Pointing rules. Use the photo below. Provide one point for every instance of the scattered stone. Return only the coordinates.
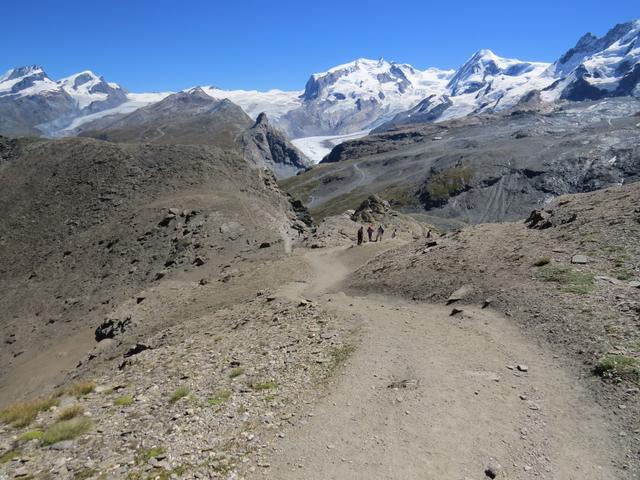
(522, 368)
(64, 445)
(111, 328)
(634, 283)
(493, 470)
(265, 244)
(199, 261)
(487, 302)
(460, 294)
(455, 311)
(580, 259)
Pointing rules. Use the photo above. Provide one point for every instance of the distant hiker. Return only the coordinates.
(370, 232)
(379, 234)
(360, 235)
(395, 232)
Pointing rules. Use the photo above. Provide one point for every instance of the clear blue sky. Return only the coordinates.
(170, 45)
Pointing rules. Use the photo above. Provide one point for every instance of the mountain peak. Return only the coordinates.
(19, 72)
(262, 119)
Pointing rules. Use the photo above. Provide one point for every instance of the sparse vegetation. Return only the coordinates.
(31, 435)
(221, 397)
(618, 366)
(78, 389)
(10, 455)
(448, 182)
(236, 372)
(339, 356)
(260, 386)
(70, 412)
(84, 474)
(66, 430)
(572, 280)
(178, 394)
(23, 413)
(123, 401)
(541, 262)
(143, 456)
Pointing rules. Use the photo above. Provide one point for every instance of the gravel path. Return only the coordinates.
(427, 395)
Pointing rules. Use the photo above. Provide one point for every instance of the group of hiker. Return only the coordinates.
(370, 230)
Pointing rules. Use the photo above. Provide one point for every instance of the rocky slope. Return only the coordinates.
(190, 117)
(88, 224)
(267, 147)
(479, 169)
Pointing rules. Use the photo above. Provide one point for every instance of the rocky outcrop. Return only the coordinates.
(264, 146)
(373, 209)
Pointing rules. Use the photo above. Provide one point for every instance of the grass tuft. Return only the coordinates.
(23, 413)
(10, 455)
(143, 456)
(541, 262)
(261, 386)
(618, 366)
(123, 401)
(66, 430)
(572, 280)
(236, 372)
(29, 436)
(339, 356)
(178, 394)
(70, 412)
(220, 398)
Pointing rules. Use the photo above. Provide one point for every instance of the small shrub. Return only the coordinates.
(271, 385)
(123, 401)
(70, 412)
(541, 262)
(22, 414)
(28, 436)
(618, 366)
(178, 394)
(220, 398)
(66, 430)
(236, 372)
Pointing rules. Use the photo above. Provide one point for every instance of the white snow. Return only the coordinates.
(316, 148)
(82, 93)
(134, 102)
(275, 103)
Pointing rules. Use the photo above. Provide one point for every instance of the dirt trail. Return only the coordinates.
(426, 395)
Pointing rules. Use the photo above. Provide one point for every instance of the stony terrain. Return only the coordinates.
(204, 328)
(483, 168)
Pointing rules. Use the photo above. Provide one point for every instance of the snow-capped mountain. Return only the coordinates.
(31, 103)
(347, 99)
(360, 95)
(599, 67)
(91, 92)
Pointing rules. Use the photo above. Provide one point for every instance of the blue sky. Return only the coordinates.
(168, 45)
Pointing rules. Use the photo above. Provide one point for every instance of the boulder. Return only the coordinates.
(580, 259)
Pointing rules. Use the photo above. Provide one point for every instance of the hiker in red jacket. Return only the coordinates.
(370, 232)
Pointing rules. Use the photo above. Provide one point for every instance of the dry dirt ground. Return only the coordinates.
(344, 362)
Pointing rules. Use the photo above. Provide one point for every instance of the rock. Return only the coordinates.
(199, 261)
(634, 283)
(112, 327)
(21, 472)
(265, 244)
(493, 470)
(580, 259)
(460, 294)
(539, 219)
(64, 445)
(611, 280)
(487, 302)
(522, 368)
(455, 311)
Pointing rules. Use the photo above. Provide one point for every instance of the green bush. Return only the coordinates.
(572, 280)
(618, 366)
(123, 401)
(220, 398)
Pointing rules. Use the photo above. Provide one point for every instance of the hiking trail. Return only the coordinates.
(427, 395)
